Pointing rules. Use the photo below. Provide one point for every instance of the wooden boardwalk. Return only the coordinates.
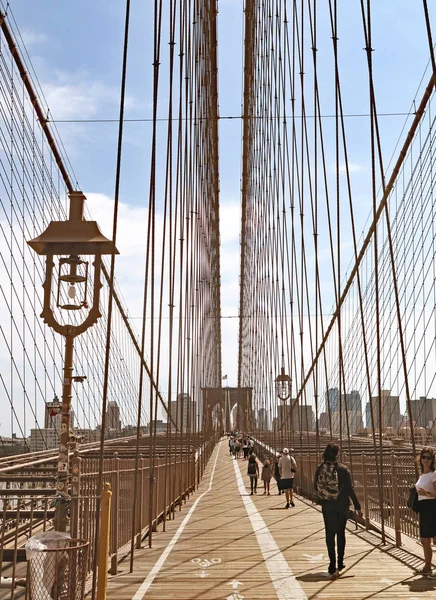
(228, 545)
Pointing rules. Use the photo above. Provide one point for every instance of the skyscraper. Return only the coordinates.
(390, 409)
(332, 399)
(183, 412)
(113, 420)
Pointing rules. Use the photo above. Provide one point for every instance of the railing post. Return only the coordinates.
(103, 545)
(365, 492)
(395, 500)
(156, 496)
(75, 493)
(140, 504)
(116, 508)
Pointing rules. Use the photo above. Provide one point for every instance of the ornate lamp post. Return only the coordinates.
(70, 239)
(283, 389)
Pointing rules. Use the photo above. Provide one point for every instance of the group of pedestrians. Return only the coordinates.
(334, 488)
(333, 485)
(284, 473)
(239, 443)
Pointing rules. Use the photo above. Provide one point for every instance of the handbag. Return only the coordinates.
(412, 500)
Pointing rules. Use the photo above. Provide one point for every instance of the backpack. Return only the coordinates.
(252, 468)
(328, 482)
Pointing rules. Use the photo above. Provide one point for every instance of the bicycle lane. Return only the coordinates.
(222, 550)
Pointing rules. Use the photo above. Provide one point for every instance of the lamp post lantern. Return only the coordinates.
(70, 239)
(284, 389)
(283, 385)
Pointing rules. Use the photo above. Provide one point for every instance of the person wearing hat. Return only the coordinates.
(287, 469)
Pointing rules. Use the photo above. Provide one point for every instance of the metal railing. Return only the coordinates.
(26, 510)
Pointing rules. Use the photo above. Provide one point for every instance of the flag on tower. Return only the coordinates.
(224, 376)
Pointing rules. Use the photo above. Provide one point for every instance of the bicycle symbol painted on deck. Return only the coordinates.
(205, 563)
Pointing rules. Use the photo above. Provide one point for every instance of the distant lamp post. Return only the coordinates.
(70, 239)
(283, 385)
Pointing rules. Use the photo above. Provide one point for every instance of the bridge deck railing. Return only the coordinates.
(26, 510)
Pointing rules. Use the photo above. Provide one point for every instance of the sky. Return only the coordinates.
(76, 51)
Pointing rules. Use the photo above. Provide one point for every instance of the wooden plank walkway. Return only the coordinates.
(228, 545)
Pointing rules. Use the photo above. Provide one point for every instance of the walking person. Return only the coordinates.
(277, 471)
(237, 448)
(287, 469)
(335, 489)
(245, 448)
(426, 488)
(266, 476)
(253, 472)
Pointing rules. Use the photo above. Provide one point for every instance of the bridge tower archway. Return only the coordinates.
(218, 404)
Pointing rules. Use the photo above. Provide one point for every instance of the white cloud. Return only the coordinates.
(31, 38)
(352, 168)
(79, 96)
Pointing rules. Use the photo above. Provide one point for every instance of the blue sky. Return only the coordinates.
(76, 50)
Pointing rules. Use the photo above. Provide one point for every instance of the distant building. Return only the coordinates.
(324, 421)
(130, 430)
(353, 401)
(184, 413)
(53, 415)
(86, 435)
(352, 413)
(332, 399)
(43, 439)
(13, 445)
(161, 426)
(390, 409)
(263, 419)
(52, 411)
(297, 417)
(113, 420)
(423, 411)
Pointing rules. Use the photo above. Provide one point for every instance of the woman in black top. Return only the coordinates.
(335, 489)
(253, 472)
(277, 475)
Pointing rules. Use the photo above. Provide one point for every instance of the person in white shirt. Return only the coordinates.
(287, 469)
(426, 488)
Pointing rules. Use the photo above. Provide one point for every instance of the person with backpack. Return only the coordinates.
(335, 489)
(287, 468)
(253, 472)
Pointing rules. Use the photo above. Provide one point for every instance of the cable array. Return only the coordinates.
(356, 336)
(34, 192)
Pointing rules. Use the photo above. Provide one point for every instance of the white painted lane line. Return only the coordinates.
(145, 585)
(286, 585)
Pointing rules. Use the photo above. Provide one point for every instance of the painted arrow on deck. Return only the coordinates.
(316, 558)
(235, 584)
